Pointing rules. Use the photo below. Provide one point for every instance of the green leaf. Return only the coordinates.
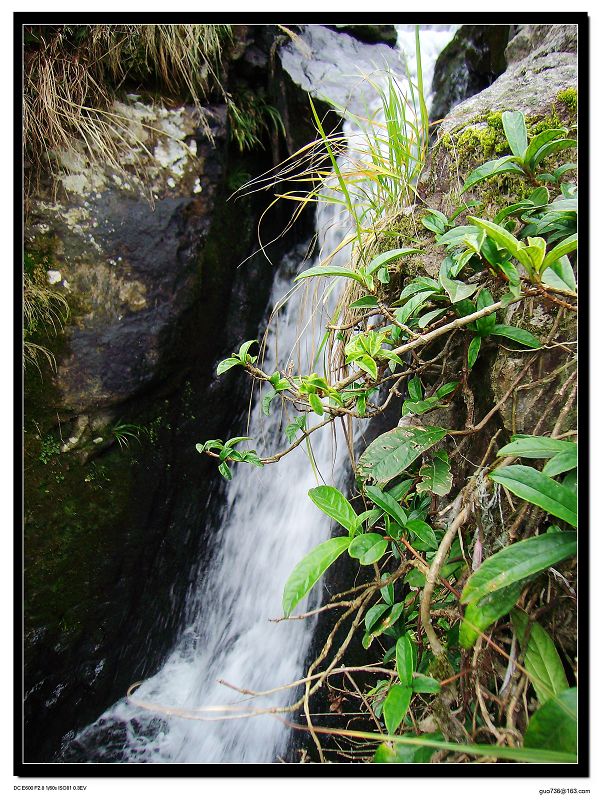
(402, 754)
(541, 660)
(405, 659)
(368, 301)
(363, 543)
(333, 503)
(266, 402)
(480, 614)
(374, 614)
(225, 471)
(243, 352)
(316, 403)
(390, 255)
(517, 562)
(553, 147)
(544, 492)
(560, 275)
(424, 536)
(228, 363)
(391, 453)
(395, 706)
(412, 306)
(539, 140)
(298, 424)
(562, 462)
(427, 318)
(310, 569)
(387, 503)
(435, 221)
(536, 447)
(555, 721)
(387, 592)
(489, 169)
(414, 387)
(514, 126)
(516, 334)
(457, 290)
(436, 476)
(374, 553)
(329, 272)
(389, 620)
(368, 364)
(422, 684)
(501, 236)
(473, 350)
(563, 248)
(400, 491)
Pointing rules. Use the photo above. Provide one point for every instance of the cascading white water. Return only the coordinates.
(268, 526)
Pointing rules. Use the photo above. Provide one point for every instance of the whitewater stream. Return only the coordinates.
(268, 523)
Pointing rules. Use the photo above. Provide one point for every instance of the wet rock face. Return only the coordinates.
(471, 62)
(126, 261)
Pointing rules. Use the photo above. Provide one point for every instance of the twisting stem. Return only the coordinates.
(432, 577)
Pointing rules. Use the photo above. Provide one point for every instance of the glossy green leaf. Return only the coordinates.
(228, 363)
(480, 614)
(500, 235)
(316, 403)
(517, 562)
(514, 126)
(557, 722)
(516, 334)
(562, 462)
(405, 659)
(374, 614)
(536, 447)
(541, 659)
(541, 490)
(368, 301)
(412, 306)
(553, 147)
(400, 491)
(368, 364)
(395, 706)
(473, 350)
(391, 453)
(423, 684)
(566, 246)
(387, 503)
(310, 569)
(363, 543)
(225, 471)
(243, 352)
(387, 592)
(497, 167)
(560, 275)
(333, 503)
(374, 554)
(423, 536)
(541, 139)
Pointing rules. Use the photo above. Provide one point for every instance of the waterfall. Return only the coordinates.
(269, 523)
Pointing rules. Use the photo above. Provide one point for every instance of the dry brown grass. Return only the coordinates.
(72, 73)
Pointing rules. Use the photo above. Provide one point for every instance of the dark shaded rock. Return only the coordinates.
(370, 34)
(471, 62)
